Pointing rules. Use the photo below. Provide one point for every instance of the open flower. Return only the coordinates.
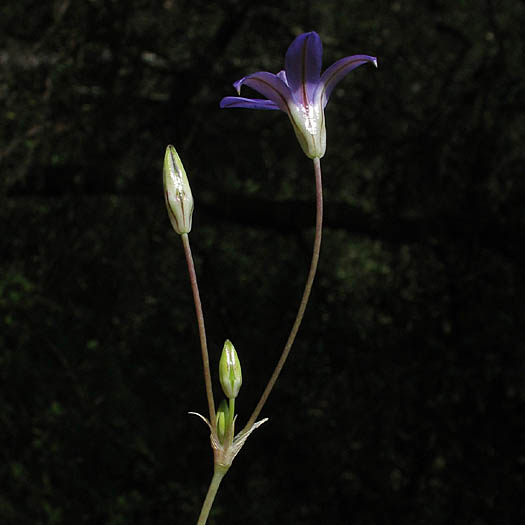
(300, 90)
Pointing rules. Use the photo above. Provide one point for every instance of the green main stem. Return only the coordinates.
(304, 300)
(218, 474)
(202, 330)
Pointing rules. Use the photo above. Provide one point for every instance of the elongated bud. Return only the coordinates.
(177, 192)
(230, 371)
(223, 419)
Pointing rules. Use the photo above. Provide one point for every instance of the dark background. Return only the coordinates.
(403, 400)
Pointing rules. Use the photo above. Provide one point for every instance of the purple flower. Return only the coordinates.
(300, 90)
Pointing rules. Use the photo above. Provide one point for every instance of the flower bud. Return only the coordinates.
(230, 371)
(177, 192)
(223, 419)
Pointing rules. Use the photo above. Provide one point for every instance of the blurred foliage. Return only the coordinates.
(403, 399)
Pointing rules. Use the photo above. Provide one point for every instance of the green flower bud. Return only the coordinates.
(230, 371)
(177, 192)
(223, 418)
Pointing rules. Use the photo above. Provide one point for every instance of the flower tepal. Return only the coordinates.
(299, 90)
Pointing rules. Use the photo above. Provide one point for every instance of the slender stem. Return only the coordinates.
(202, 330)
(232, 410)
(230, 429)
(304, 300)
(218, 474)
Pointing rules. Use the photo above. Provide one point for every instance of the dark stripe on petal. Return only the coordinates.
(303, 66)
(336, 72)
(250, 103)
(272, 87)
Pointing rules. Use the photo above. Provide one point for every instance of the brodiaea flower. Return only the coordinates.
(300, 90)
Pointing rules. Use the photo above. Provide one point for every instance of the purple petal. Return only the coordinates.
(269, 85)
(337, 71)
(251, 103)
(303, 66)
